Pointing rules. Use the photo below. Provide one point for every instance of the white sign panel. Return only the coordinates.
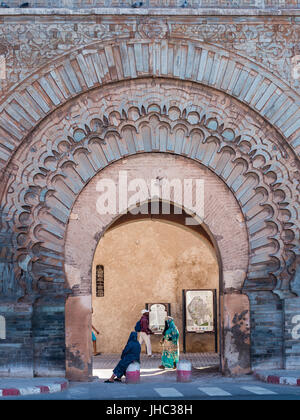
(157, 315)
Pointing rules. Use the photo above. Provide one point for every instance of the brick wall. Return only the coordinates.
(266, 330)
(16, 351)
(292, 333)
(48, 329)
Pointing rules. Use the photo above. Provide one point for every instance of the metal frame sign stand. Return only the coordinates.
(203, 306)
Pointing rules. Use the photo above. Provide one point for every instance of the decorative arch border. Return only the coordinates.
(252, 160)
(123, 59)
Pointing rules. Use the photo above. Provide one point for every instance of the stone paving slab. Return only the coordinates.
(159, 376)
(202, 363)
(102, 368)
(210, 381)
(280, 376)
(198, 360)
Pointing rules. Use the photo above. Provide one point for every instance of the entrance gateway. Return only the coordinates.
(87, 226)
(138, 107)
(144, 261)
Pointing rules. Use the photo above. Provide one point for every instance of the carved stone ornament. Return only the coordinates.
(153, 29)
(201, 124)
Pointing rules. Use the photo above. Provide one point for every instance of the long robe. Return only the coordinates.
(170, 354)
(131, 353)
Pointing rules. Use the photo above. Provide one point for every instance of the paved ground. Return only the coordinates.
(209, 385)
(109, 361)
(157, 385)
(103, 366)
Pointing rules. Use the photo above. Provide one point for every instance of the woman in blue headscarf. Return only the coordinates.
(170, 342)
(131, 353)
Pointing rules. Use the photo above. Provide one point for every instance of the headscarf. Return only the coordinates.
(172, 333)
(132, 337)
(132, 349)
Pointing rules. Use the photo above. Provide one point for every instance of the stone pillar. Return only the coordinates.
(266, 330)
(48, 330)
(292, 333)
(78, 338)
(235, 334)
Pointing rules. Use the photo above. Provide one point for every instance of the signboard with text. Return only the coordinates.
(199, 311)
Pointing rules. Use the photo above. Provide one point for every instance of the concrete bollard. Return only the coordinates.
(133, 373)
(184, 371)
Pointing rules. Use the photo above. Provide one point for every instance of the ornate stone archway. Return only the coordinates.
(152, 116)
(252, 148)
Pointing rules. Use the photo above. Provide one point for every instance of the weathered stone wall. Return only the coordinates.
(16, 350)
(291, 333)
(236, 332)
(32, 41)
(66, 68)
(266, 330)
(236, 4)
(48, 330)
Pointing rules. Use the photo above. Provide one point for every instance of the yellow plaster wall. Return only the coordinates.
(150, 261)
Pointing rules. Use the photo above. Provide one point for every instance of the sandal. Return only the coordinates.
(118, 380)
(109, 382)
(161, 367)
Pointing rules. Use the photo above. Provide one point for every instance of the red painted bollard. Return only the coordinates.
(133, 373)
(184, 371)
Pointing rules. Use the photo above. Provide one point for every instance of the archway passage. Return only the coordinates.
(149, 259)
(87, 226)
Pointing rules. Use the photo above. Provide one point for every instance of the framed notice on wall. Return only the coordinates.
(157, 315)
(199, 311)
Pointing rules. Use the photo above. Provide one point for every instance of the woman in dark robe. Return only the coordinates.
(131, 353)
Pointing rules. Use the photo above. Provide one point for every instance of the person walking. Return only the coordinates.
(145, 332)
(94, 340)
(170, 343)
(131, 353)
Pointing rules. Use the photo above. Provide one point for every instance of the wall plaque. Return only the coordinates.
(157, 315)
(99, 281)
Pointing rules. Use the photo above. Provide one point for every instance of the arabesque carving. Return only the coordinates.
(29, 46)
(207, 126)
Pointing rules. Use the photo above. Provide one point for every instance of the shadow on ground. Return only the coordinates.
(203, 365)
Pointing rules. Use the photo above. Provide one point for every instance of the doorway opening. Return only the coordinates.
(144, 259)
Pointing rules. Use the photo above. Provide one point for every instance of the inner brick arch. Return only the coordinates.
(86, 227)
